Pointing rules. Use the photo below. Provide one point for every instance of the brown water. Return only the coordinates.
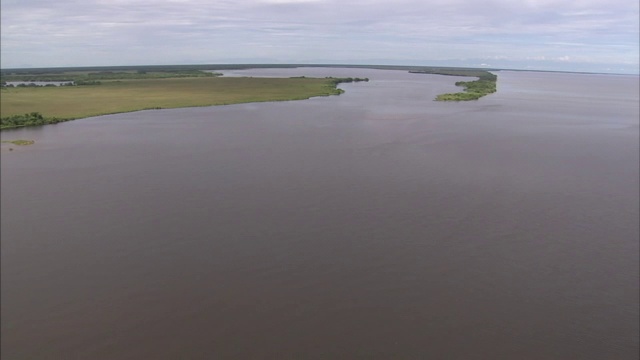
(376, 225)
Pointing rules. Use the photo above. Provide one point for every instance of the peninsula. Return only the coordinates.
(473, 90)
(83, 94)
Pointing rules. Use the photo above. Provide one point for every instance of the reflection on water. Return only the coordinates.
(376, 224)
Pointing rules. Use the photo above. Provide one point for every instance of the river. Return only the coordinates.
(378, 224)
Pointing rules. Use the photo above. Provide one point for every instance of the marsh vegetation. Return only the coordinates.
(473, 90)
(29, 106)
(19, 142)
(100, 91)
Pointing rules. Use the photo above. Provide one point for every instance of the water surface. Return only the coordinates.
(376, 224)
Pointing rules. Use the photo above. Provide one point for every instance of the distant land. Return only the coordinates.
(35, 70)
(101, 90)
(224, 67)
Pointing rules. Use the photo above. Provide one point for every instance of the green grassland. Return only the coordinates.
(25, 106)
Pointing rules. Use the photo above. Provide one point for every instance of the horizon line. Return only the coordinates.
(249, 65)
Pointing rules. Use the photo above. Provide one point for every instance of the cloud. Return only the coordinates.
(119, 32)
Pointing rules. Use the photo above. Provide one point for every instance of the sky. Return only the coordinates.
(562, 35)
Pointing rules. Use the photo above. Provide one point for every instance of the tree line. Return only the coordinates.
(30, 119)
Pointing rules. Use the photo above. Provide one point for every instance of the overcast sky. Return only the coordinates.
(579, 35)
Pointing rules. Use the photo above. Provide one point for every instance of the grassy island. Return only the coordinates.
(118, 92)
(473, 90)
(19, 142)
